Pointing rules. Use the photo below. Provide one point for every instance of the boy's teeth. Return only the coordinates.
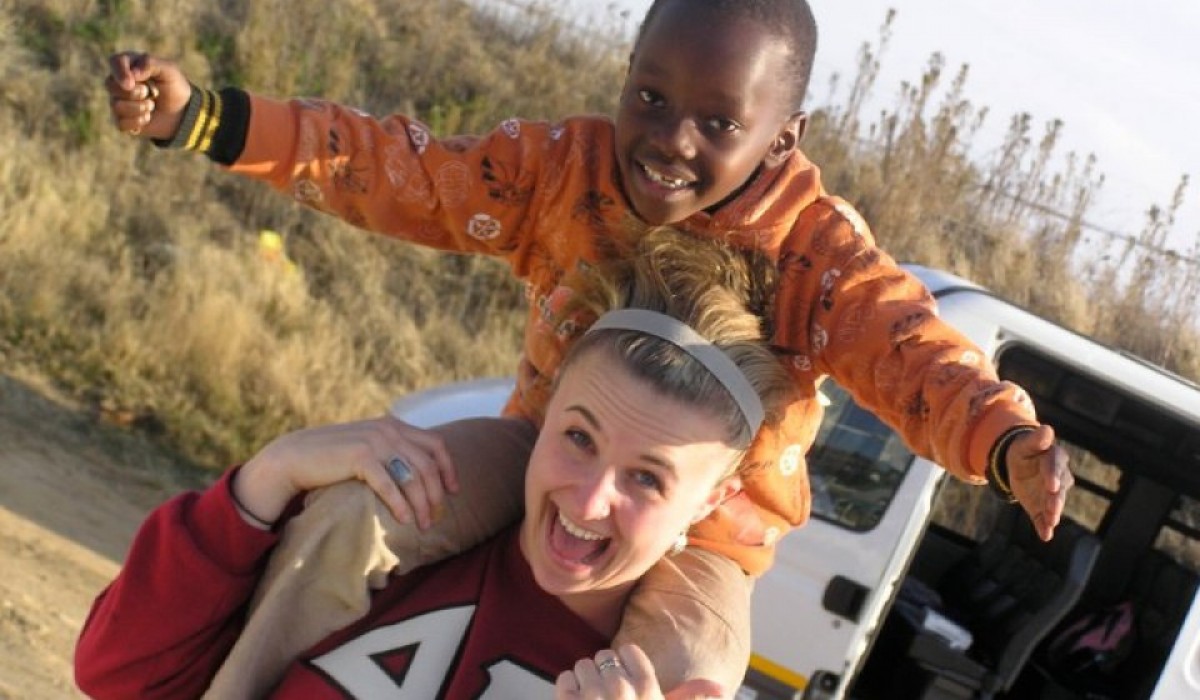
(577, 531)
(664, 180)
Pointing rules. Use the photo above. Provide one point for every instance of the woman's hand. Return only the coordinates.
(625, 674)
(309, 459)
(146, 95)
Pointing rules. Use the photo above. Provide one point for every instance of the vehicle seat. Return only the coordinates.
(1163, 592)
(1009, 593)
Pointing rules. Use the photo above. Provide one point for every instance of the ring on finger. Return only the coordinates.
(608, 664)
(399, 470)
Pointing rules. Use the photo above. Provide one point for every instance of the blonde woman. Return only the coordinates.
(652, 414)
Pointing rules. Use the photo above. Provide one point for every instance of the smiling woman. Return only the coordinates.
(653, 411)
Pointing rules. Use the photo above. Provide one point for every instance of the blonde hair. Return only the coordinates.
(721, 293)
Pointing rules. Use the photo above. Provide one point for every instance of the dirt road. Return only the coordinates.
(72, 493)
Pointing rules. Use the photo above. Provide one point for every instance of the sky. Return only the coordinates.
(1120, 74)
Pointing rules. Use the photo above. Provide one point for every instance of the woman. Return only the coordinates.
(653, 410)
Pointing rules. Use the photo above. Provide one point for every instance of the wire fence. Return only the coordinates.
(1113, 235)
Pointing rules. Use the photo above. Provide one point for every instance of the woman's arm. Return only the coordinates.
(167, 621)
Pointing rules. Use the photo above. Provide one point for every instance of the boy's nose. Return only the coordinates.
(676, 138)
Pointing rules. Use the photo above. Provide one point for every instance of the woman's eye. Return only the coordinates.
(579, 438)
(647, 479)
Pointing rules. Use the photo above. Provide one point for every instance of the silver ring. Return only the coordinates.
(608, 664)
(399, 470)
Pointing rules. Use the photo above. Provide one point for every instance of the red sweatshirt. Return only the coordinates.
(473, 626)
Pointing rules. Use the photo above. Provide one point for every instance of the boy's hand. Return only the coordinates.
(625, 674)
(1040, 478)
(317, 457)
(146, 95)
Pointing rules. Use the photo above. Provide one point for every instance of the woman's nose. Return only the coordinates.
(595, 496)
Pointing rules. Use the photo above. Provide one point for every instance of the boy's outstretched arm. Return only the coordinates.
(846, 309)
(1038, 477)
(147, 96)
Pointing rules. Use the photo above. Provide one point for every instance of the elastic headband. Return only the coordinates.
(687, 339)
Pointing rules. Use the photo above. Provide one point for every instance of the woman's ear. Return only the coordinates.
(787, 140)
(724, 491)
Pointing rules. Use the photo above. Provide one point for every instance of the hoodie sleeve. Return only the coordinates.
(163, 626)
(846, 309)
(389, 175)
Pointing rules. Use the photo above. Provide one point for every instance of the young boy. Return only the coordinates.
(706, 138)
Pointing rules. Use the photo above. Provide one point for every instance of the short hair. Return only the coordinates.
(790, 20)
(722, 293)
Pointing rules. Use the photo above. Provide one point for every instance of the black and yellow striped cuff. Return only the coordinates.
(997, 471)
(214, 123)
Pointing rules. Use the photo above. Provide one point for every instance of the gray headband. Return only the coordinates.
(687, 339)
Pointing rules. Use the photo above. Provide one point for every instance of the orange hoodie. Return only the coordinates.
(544, 197)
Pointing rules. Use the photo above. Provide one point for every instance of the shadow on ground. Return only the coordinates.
(64, 470)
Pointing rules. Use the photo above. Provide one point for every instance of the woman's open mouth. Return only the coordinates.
(575, 544)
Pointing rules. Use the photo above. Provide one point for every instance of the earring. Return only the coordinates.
(679, 544)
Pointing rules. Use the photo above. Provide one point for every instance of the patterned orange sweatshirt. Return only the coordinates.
(543, 197)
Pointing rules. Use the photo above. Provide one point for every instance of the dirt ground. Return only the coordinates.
(72, 492)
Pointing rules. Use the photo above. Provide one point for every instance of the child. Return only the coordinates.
(706, 138)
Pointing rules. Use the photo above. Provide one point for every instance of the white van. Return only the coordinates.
(878, 598)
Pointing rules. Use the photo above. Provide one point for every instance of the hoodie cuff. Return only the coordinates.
(214, 123)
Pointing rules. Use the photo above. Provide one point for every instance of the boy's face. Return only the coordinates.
(704, 105)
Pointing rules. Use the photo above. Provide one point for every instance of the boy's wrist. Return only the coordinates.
(997, 470)
(192, 112)
(213, 123)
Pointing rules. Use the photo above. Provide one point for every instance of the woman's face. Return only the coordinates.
(618, 472)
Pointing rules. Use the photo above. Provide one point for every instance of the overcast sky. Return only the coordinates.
(1121, 75)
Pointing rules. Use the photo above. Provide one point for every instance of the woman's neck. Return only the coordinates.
(601, 609)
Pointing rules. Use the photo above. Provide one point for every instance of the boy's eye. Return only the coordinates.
(723, 125)
(650, 97)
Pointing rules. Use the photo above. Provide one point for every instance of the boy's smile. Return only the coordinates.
(702, 109)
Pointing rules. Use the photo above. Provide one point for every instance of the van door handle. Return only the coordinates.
(845, 597)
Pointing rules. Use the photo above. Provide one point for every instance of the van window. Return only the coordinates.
(1180, 537)
(856, 464)
(1096, 484)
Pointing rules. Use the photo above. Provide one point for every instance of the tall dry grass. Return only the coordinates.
(135, 280)
(1017, 222)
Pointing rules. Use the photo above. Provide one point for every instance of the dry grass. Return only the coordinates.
(134, 279)
(1015, 224)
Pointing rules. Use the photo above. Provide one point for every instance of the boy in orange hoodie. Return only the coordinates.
(706, 139)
